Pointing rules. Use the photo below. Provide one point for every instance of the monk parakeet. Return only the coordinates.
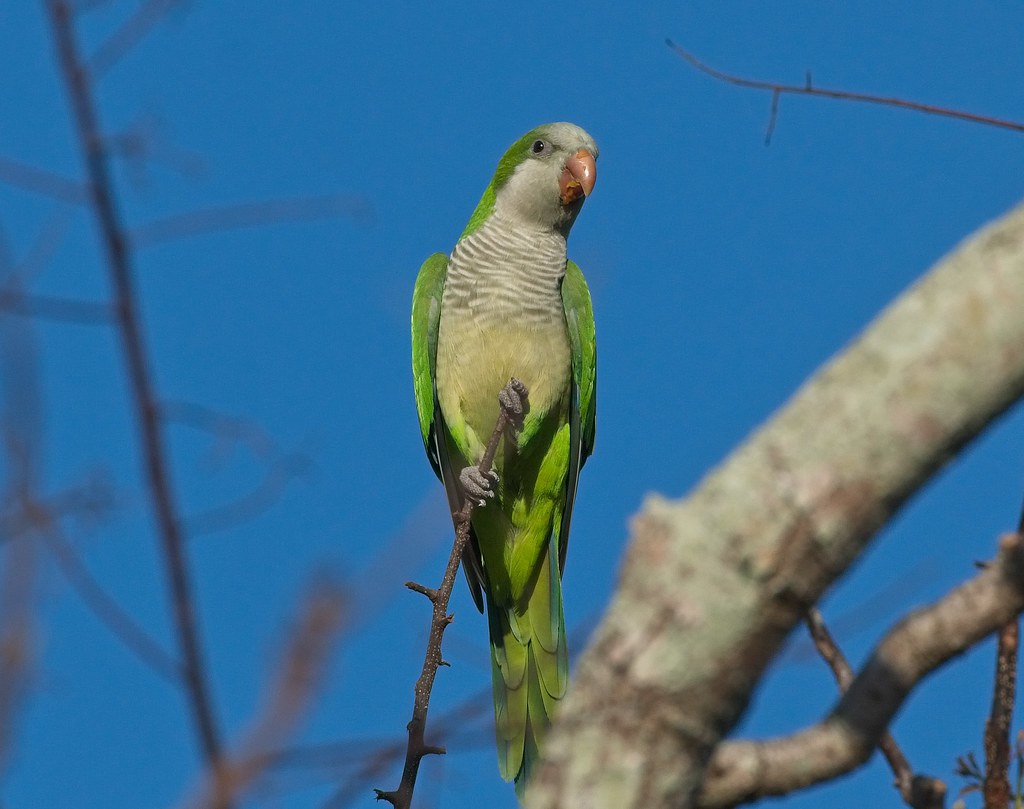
(508, 305)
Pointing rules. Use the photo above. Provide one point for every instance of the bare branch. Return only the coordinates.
(743, 771)
(282, 466)
(996, 785)
(297, 679)
(42, 181)
(919, 792)
(250, 214)
(100, 603)
(776, 89)
(119, 265)
(49, 307)
(417, 748)
(131, 32)
(16, 588)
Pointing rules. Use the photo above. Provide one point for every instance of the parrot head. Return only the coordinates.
(544, 177)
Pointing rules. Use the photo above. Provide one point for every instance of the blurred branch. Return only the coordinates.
(778, 89)
(42, 181)
(131, 32)
(297, 679)
(918, 792)
(145, 142)
(100, 603)
(417, 748)
(118, 255)
(743, 771)
(48, 307)
(16, 586)
(250, 214)
(281, 466)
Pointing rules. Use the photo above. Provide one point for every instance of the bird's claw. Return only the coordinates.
(514, 402)
(478, 486)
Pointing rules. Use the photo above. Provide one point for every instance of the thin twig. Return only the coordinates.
(401, 798)
(49, 307)
(917, 791)
(119, 265)
(131, 32)
(807, 89)
(42, 181)
(743, 771)
(114, 617)
(996, 783)
(250, 214)
(297, 678)
(282, 466)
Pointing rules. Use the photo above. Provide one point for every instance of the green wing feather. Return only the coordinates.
(426, 315)
(579, 322)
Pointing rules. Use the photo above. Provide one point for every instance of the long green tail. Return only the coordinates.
(530, 669)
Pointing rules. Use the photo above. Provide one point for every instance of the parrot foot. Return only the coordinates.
(478, 486)
(513, 401)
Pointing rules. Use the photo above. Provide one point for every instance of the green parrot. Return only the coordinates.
(507, 305)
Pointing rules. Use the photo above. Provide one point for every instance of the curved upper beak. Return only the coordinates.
(579, 176)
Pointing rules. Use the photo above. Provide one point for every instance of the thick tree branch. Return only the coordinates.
(712, 585)
(118, 256)
(745, 771)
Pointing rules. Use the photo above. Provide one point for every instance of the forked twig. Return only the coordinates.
(417, 748)
(917, 791)
(777, 89)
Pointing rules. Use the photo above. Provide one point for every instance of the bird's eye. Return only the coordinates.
(538, 146)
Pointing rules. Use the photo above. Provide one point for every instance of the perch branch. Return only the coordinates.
(417, 748)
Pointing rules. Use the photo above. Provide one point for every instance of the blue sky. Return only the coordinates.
(723, 273)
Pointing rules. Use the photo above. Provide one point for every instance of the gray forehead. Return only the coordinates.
(569, 136)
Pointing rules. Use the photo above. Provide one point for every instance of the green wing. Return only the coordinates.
(579, 322)
(426, 314)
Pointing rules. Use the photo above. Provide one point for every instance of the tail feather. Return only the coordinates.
(530, 671)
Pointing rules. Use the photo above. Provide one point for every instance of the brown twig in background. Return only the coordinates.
(777, 89)
(296, 681)
(118, 257)
(996, 783)
(250, 214)
(417, 748)
(282, 466)
(131, 32)
(49, 307)
(919, 792)
(119, 622)
(42, 181)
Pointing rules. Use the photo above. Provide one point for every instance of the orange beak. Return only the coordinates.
(578, 178)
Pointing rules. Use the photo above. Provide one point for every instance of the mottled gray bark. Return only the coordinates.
(712, 584)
